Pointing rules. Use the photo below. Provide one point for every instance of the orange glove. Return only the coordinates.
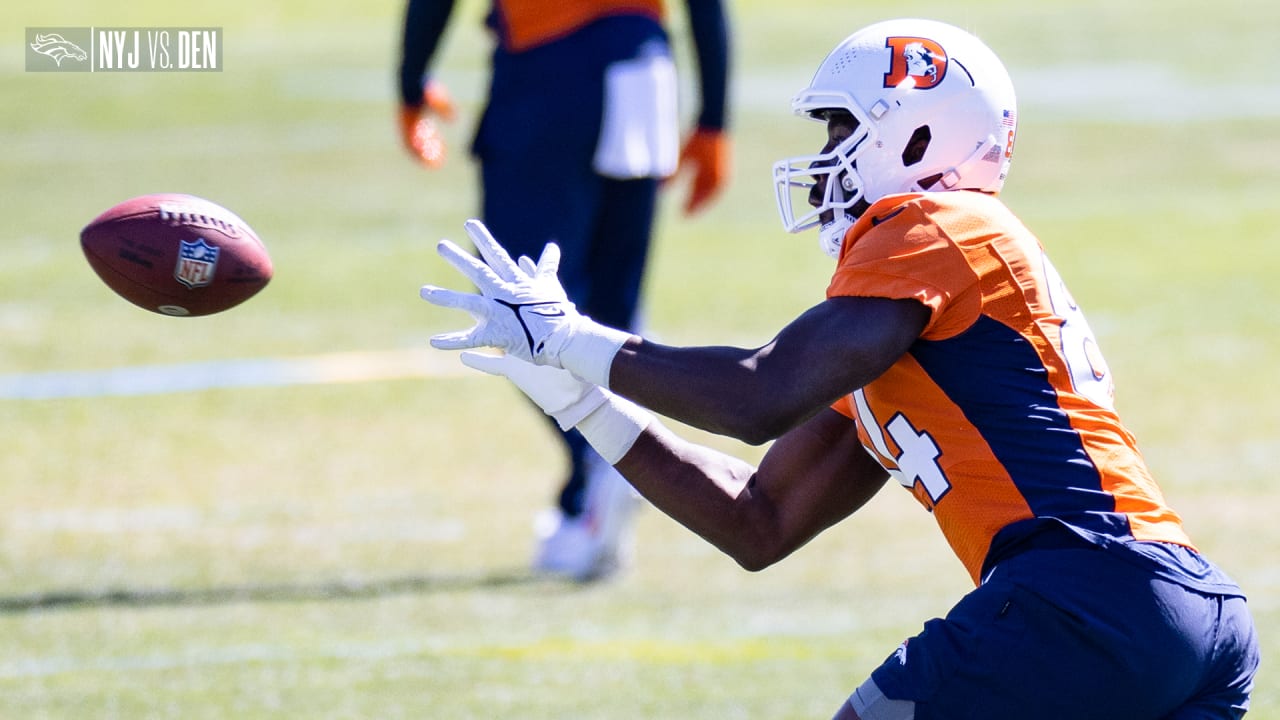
(421, 136)
(706, 155)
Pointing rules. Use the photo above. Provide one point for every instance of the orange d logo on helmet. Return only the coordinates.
(918, 58)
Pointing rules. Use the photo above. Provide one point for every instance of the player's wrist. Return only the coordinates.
(572, 414)
(589, 350)
(614, 426)
(556, 391)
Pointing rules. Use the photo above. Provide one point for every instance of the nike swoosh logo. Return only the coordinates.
(546, 312)
(885, 218)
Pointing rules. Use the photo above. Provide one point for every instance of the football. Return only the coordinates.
(176, 255)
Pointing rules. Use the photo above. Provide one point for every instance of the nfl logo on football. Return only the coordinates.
(196, 263)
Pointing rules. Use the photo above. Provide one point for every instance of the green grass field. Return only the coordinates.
(358, 550)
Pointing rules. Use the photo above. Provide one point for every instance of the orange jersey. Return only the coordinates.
(528, 23)
(1001, 412)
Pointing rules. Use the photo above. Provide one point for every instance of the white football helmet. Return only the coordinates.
(908, 83)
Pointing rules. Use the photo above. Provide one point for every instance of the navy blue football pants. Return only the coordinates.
(536, 142)
(602, 227)
(1068, 634)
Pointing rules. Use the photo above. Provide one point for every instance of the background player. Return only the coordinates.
(947, 355)
(580, 129)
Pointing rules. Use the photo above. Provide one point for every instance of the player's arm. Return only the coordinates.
(758, 394)
(814, 475)
(424, 24)
(811, 478)
(709, 27)
(705, 153)
(754, 395)
(423, 99)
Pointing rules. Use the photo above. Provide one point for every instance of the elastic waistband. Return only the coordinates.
(1050, 536)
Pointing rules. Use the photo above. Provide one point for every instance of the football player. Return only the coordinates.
(947, 356)
(580, 130)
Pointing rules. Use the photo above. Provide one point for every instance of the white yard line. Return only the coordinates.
(348, 367)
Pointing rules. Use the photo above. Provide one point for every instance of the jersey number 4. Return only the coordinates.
(917, 459)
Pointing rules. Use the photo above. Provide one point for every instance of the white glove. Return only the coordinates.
(610, 423)
(523, 310)
(561, 395)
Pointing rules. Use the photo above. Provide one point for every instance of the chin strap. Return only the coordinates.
(831, 234)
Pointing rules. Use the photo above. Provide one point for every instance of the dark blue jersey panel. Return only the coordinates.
(993, 374)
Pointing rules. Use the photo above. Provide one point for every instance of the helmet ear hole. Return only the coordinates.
(916, 146)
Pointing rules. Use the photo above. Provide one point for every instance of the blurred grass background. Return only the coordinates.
(359, 550)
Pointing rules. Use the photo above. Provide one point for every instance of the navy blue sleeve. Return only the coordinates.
(424, 23)
(710, 30)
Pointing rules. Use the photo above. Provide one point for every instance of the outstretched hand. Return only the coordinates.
(521, 309)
